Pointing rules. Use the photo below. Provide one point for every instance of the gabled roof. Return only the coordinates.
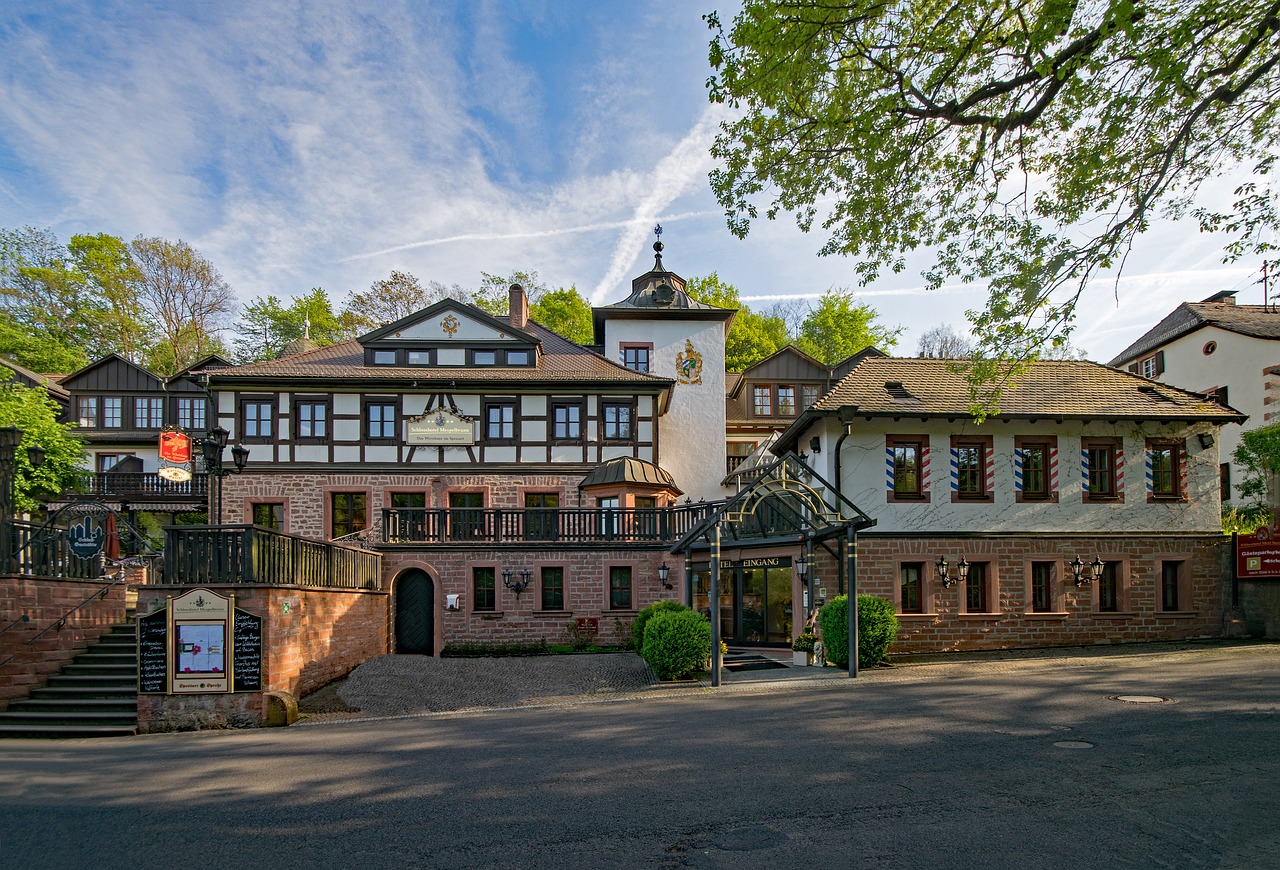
(1053, 389)
(1256, 321)
(33, 379)
(561, 360)
(141, 375)
(466, 309)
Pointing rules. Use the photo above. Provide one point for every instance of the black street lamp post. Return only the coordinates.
(213, 447)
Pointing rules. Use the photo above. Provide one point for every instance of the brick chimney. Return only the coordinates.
(519, 310)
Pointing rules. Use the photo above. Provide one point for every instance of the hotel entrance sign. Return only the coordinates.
(440, 428)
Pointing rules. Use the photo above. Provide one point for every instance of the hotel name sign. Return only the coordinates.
(759, 562)
(440, 428)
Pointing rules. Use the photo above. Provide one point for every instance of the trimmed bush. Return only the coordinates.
(877, 627)
(677, 643)
(490, 649)
(637, 627)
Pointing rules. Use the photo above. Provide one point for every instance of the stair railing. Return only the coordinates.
(21, 619)
(123, 565)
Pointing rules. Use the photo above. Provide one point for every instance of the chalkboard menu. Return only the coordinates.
(153, 653)
(247, 646)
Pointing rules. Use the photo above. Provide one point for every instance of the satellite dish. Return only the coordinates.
(664, 294)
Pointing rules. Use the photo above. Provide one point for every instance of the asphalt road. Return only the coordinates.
(947, 767)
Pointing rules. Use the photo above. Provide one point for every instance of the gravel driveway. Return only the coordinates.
(394, 684)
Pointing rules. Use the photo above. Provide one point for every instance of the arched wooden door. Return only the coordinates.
(415, 613)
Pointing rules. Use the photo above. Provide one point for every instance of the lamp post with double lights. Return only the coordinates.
(212, 447)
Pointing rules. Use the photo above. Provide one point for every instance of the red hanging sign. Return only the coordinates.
(175, 446)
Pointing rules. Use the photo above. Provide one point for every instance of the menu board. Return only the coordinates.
(153, 650)
(247, 651)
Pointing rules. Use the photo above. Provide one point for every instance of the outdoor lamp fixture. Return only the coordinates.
(516, 586)
(1093, 575)
(1206, 440)
(664, 571)
(802, 568)
(35, 455)
(944, 573)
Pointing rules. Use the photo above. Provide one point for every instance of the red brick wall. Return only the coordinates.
(324, 636)
(45, 600)
(586, 591)
(945, 627)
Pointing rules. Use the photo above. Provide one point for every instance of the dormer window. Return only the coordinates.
(484, 357)
(421, 358)
(384, 357)
(517, 357)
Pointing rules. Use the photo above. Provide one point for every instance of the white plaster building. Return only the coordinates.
(1222, 350)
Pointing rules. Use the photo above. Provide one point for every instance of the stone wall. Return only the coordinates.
(310, 637)
(946, 626)
(44, 601)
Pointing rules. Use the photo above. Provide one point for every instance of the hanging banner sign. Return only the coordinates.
(86, 538)
(175, 446)
(175, 455)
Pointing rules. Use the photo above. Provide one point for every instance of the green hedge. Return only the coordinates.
(637, 627)
(489, 649)
(877, 627)
(677, 643)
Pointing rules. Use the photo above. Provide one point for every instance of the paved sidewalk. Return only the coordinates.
(398, 685)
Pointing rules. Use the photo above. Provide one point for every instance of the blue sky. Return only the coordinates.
(325, 144)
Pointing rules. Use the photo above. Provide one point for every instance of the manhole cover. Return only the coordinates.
(1139, 699)
(1073, 744)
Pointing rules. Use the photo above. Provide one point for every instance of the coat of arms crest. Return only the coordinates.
(688, 365)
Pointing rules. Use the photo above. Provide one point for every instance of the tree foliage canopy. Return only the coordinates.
(32, 411)
(840, 326)
(753, 336)
(1027, 143)
(566, 312)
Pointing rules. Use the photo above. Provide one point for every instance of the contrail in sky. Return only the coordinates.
(531, 234)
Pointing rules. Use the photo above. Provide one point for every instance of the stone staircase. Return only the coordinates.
(96, 695)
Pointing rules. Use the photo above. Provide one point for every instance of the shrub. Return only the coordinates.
(581, 633)
(877, 627)
(804, 641)
(677, 643)
(622, 631)
(637, 627)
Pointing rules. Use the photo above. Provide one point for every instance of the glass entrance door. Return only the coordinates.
(755, 603)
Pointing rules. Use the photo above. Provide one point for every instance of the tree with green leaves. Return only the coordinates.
(752, 336)
(32, 411)
(494, 293)
(1258, 455)
(564, 311)
(47, 320)
(105, 270)
(839, 326)
(1025, 144)
(267, 326)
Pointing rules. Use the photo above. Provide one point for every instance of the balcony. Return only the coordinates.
(256, 555)
(558, 526)
(143, 487)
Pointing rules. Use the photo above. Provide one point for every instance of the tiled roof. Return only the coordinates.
(1051, 388)
(561, 360)
(1258, 321)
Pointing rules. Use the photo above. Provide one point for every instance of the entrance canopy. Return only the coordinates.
(788, 502)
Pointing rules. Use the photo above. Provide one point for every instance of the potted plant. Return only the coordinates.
(802, 648)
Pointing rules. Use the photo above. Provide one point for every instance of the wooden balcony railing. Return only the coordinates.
(142, 486)
(258, 555)
(538, 525)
